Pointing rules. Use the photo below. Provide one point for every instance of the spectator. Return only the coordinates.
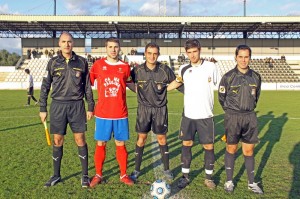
(132, 52)
(28, 53)
(46, 53)
(29, 83)
(34, 53)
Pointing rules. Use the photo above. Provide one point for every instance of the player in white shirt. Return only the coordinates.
(29, 86)
(199, 77)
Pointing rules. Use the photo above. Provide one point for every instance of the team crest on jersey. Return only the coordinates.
(190, 71)
(253, 91)
(120, 70)
(104, 68)
(159, 86)
(209, 79)
(111, 87)
(222, 89)
(77, 74)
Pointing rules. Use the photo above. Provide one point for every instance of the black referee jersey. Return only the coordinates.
(152, 84)
(239, 92)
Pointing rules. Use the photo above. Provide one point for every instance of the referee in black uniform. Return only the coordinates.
(239, 92)
(68, 75)
(151, 79)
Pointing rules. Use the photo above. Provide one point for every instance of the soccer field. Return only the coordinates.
(26, 162)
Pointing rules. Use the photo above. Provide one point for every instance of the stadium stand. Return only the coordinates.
(279, 72)
(36, 66)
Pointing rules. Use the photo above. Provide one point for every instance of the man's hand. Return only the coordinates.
(43, 116)
(89, 115)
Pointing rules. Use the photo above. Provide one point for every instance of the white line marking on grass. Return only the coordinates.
(158, 169)
(21, 116)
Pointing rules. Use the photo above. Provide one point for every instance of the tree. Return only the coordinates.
(8, 59)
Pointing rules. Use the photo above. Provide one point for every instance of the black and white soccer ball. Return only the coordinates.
(160, 189)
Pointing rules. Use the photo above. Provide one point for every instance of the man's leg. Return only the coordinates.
(248, 150)
(99, 158)
(229, 166)
(28, 99)
(164, 151)
(209, 161)
(83, 156)
(122, 155)
(139, 150)
(82, 151)
(186, 159)
(57, 155)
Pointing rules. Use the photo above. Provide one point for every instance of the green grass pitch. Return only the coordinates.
(26, 162)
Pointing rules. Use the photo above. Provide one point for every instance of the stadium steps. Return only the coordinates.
(281, 72)
(3, 76)
(36, 66)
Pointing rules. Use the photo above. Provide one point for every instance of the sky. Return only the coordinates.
(145, 8)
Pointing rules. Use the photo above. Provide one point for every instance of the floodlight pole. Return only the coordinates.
(118, 7)
(244, 8)
(179, 7)
(54, 7)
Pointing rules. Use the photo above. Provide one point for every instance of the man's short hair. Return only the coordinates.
(192, 43)
(112, 39)
(243, 47)
(152, 45)
(27, 71)
(65, 33)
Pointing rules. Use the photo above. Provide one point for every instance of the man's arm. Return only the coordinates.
(131, 86)
(88, 92)
(173, 85)
(45, 88)
(222, 91)
(258, 88)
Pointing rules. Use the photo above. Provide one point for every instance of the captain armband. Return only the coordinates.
(179, 79)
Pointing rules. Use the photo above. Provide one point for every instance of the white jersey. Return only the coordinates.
(29, 81)
(199, 82)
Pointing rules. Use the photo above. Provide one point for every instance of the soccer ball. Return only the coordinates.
(160, 189)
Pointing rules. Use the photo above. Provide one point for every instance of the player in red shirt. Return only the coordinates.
(111, 75)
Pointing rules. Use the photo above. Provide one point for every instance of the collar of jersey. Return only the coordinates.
(202, 61)
(155, 69)
(249, 72)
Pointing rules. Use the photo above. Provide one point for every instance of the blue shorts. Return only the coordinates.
(105, 127)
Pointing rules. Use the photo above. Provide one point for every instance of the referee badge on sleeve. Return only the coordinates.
(222, 89)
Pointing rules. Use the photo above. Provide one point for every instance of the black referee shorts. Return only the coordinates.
(241, 126)
(204, 128)
(152, 118)
(63, 113)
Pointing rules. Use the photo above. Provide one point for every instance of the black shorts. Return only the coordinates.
(204, 127)
(241, 126)
(30, 91)
(70, 112)
(152, 118)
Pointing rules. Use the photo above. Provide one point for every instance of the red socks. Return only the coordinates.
(121, 155)
(99, 157)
